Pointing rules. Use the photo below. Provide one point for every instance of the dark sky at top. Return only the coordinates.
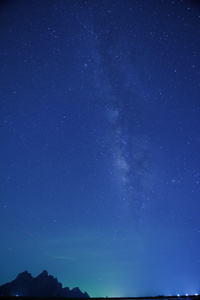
(100, 144)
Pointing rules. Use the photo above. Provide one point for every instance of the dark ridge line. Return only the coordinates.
(150, 297)
(100, 298)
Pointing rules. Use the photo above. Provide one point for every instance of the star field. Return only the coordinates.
(100, 143)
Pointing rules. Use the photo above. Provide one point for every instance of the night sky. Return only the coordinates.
(100, 144)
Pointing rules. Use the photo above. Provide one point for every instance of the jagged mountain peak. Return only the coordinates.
(43, 285)
(24, 275)
(44, 274)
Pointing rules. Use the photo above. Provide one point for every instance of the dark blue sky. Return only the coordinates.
(100, 143)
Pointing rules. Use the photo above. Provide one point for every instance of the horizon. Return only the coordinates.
(178, 296)
(145, 297)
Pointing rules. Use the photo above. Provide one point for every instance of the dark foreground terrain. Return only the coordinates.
(44, 286)
(181, 297)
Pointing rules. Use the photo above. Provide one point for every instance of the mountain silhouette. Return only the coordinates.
(43, 285)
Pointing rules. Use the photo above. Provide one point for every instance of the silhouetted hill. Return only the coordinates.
(43, 285)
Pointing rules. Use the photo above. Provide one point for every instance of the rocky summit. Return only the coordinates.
(43, 285)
